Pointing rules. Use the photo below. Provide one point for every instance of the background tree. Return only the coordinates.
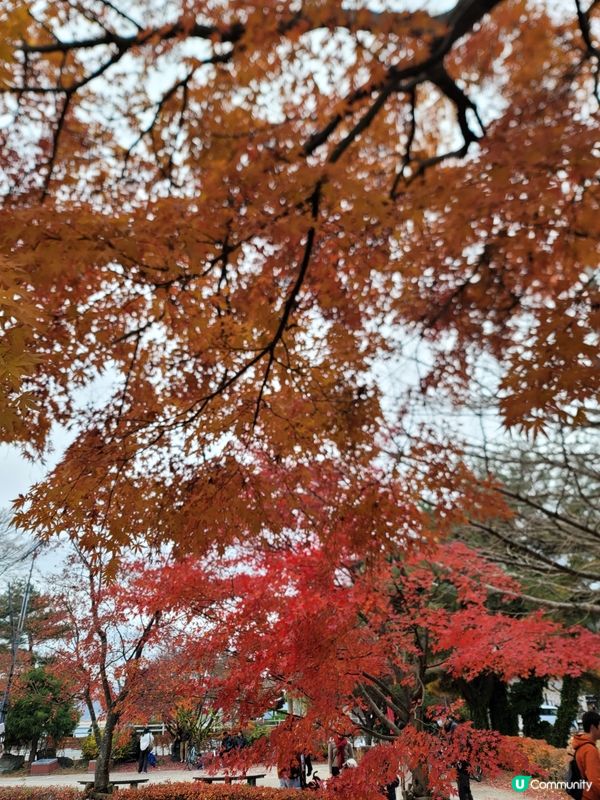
(488, 702)
(25, 619)
(43, 623)
(527, 696)
(119, 627)
(550, 540)
(194, 722)
(567, 711)
(42, 708)
(14, 551)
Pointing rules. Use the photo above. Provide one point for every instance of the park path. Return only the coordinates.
(481, 791)
(484, 791)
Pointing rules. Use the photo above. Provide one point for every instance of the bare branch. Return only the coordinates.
(571, 605)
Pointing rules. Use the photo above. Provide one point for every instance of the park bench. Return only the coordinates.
(250, 779)
(133, 782)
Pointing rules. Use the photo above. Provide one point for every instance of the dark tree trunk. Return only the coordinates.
(101, 776)
(33, 751)
(478, 694)
(419, 787)
(527, 697)
(567, 711)
(503, 717)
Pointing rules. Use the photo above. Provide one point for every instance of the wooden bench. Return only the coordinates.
(250, 779)
(132, 782)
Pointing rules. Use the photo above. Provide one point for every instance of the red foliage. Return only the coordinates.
(161, 791)
(357, 640)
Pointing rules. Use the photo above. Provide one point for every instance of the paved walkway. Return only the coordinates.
(154, 776)
(481, 791)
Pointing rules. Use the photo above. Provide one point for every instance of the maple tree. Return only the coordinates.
(118, 630)
(225, 216)
(228, 207)
(363, 643)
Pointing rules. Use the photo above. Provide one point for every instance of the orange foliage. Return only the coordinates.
(226, 212)
(550, 761)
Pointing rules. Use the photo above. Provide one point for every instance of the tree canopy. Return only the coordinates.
(230, 207)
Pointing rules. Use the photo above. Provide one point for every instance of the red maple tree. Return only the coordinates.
(122, 629)
(360, 640)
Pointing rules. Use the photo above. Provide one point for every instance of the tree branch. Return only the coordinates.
(569, 606)
(378, 712)
(537, 556)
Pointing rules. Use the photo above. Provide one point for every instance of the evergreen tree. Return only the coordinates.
(42, 622)
(42, 707)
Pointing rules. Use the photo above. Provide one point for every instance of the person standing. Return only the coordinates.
(146, 744)
(294, 774)
(389, 790)
(305, 768)
(339, 750)
(463, 768)
(183, 747)
(587, 756)
(240, 740)
(228, 743)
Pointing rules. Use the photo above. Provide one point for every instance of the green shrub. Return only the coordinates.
(89, 748)
(124, 746)
(257, 731)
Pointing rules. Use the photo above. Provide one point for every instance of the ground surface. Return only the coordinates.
(499, 789)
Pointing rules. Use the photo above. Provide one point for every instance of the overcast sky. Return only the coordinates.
(16, 474)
